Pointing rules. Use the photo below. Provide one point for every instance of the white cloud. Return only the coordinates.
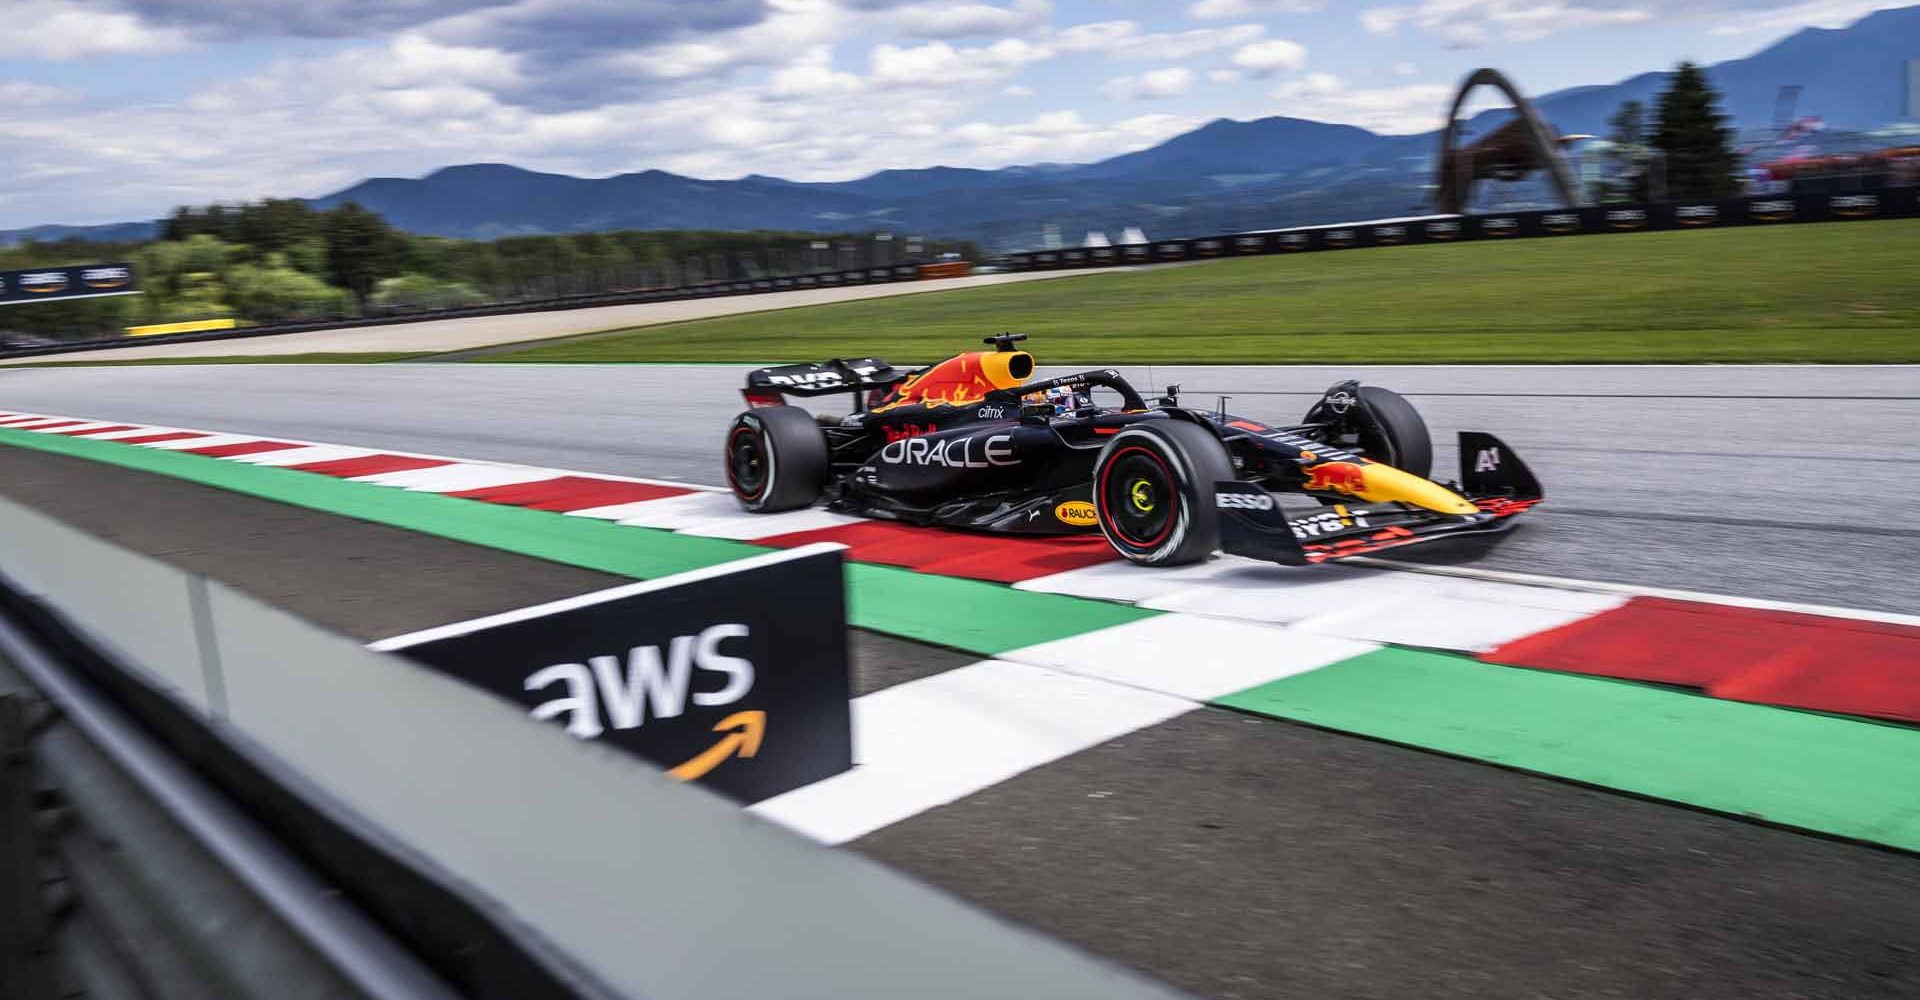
(22, 94)
(1169, 82)
(1269, 57)
(952, 19)
(938, 64)
(1472, 23)
(1220, 10)
(1793, 16)
(1405, 69)
(1224, 75)
(1325, 97)
(61, 29)
(1125, 40)
(1018, 90)
(813, 75)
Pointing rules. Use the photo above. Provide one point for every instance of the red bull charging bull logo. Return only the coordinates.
(1337, 477)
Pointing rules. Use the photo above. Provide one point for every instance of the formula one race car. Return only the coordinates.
(975, 443)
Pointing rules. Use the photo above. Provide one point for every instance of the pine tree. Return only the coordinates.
(1627, 160)
(1691, 131)
(361, 249)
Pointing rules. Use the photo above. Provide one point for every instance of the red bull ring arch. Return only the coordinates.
(1527, 143)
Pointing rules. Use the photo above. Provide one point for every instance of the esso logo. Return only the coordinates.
(1243, 501)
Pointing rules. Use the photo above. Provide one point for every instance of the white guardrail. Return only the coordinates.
(646, 886)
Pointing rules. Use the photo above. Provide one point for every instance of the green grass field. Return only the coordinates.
(1840, 292)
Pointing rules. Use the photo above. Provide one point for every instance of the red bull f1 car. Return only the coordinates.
(976, 443)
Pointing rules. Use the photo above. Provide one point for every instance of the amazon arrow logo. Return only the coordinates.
(750, 727)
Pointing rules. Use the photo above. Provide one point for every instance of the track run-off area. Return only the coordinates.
(1163, 767)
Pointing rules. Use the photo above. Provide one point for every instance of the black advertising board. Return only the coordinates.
(80, 281)
(734, 677)
(1758, 210)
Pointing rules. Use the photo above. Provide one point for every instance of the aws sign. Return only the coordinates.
(734, 676)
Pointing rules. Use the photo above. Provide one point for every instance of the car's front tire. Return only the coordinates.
(776, 459)
(1153, 492)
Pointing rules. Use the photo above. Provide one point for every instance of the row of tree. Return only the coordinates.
(283, 259)
(1685, 152)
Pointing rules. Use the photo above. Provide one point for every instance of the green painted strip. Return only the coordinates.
(981, 618)
(1839, 776)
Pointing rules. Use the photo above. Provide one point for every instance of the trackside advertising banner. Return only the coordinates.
(734, 677)
(83, 281)
(1590, 220)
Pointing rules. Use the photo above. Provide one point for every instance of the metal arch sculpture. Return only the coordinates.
(1521, 146)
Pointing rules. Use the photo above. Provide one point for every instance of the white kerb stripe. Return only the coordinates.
(931, 741)
(463, 476)
(1191, 657)
(302, 456)
(209, 441)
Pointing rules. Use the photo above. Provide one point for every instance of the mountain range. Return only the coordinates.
(1225, 175)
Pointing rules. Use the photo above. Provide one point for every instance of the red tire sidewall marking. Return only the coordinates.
(1167, 470)
(739, 429)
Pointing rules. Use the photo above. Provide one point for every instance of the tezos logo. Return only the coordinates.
(650, 683)
(953, 453)
(43, 282)
(1854, 206)
(1697, 215)
(105, 277)
(1243, 501)
(1078, 513)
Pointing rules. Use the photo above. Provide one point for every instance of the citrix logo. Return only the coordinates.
(650, 681)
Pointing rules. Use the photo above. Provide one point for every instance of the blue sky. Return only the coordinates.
(119, 109)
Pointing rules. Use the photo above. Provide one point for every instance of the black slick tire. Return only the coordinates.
(1402, 440)
(1153, 492)
(776, 459)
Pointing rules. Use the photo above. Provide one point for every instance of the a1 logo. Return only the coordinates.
(1487, 461)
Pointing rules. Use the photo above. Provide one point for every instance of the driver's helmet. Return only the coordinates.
(1063, 399)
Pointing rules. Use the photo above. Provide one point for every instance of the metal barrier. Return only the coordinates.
(1592, 219)
(885, 274)
(299, 816)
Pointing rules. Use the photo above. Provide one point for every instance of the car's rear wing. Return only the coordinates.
(766, 386)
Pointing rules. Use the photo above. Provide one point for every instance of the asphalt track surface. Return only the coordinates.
(469, 333)
(1231, 855)
(1788, 483)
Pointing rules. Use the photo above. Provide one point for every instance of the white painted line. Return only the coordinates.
(681, 511)
(1464, 624)
(938, 739)
(1637, 590)
(1190, 657)
(1123, 581)
(303, 455)
(461, 476)
(438, 632)
(618, 511)
(747, 527)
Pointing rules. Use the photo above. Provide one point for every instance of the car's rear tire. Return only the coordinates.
(776, 459)
(1153, 492)
(1402, 439)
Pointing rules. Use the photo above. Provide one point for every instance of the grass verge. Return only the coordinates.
(1820, 293)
